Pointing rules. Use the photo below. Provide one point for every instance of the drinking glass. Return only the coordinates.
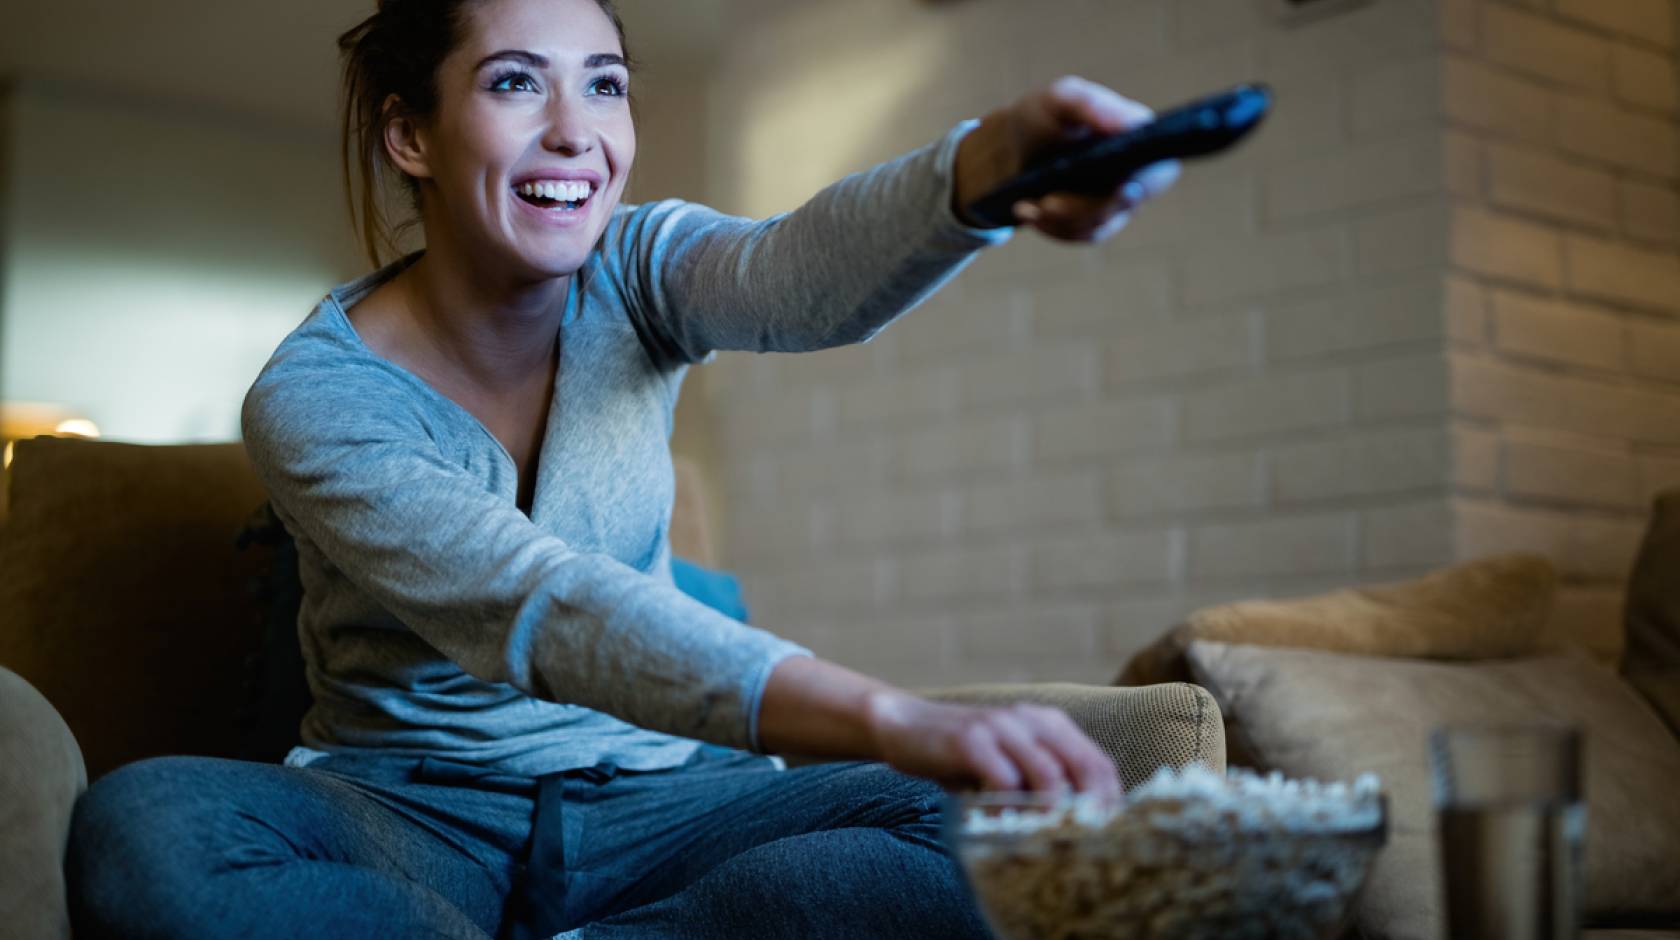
(1511, 821)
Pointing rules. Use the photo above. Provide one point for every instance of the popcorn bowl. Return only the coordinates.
(1187, 855)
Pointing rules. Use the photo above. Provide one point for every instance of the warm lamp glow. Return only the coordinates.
(77, 427)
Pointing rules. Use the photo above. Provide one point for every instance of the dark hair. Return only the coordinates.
(397, 51)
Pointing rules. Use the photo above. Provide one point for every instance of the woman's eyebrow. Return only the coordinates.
(541, 61)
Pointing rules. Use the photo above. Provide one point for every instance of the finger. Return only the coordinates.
(1157, 178)
(1090, 768)
(1019, 740)
(981, 751)
(1075, 217)
(1075, 103)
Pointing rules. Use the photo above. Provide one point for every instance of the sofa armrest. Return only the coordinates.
(41, 775)
(1141, 728)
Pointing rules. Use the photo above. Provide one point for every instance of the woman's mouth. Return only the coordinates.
(560, 196)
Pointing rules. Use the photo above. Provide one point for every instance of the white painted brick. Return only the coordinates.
(1464, 159)
(959, 572)
(1475, 459)
(1604, 549)
(1376, 32)
(919, 397)
(787, 531)
(891, 648)
(965, 447)
(1476, 95)
(1650, 21)
(1314, 121)
(1591, 128)
(1131, 625)
(1046, 501)
(1647, 79)
(1542, 48)
(1176, 76)
(1273, 405)
(1516, 394)
(1467, 311)
(1103, 560)
(1355, 177)
(1556, 331)
(1395, 97)
(1404, 239)
(1459, 26)
(1196, 23)
(850, 465)
(1654, 351)
(1405, 387)
(888, 518)
(1413, 535)
(1650, 212)
(1222, 203)
(1199, 345)
(1366, 316)
(1388, 460)
(1487, 528)
(1234, 269)
(1639, 277)
(1502, 247)
(1589, 618)
(819, 585)
(1035, 631)
(1572, 475)
(1657, 475)
(790, 417)
(977, 321)
(1104, 429)
(1305, 544)
(1043, 374)
(840, 365)
(1184, 483)
(1110, 300)
(1556, 189)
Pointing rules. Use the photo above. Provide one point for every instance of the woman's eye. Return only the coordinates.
(613, 86)
(513, 81)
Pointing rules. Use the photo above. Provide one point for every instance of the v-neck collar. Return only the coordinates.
(341, 298)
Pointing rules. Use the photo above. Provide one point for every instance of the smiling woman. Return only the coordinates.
(520, 726)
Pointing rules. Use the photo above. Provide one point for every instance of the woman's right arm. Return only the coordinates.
(820, 709)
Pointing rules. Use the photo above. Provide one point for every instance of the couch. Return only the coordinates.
(147, 607)
(1354, 680)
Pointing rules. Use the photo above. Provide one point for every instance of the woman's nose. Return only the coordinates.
(568, 128)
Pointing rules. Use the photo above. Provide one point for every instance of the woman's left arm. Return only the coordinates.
(866, 249)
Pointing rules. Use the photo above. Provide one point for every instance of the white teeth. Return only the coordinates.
(562, 190)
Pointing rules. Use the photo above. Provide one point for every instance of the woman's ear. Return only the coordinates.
(404, 142)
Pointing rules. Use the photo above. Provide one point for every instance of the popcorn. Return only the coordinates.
(1189, 854)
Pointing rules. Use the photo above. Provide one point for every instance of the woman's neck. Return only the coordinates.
(500, 334)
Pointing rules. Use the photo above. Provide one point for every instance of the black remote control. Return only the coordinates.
(1204, 126)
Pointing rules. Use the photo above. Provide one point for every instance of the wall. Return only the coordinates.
(1563, 137)
(1067, 448)
(156, 254)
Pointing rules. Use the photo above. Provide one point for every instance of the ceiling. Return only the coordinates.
(274, 60)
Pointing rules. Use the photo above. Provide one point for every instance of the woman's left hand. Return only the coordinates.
(1067, 110)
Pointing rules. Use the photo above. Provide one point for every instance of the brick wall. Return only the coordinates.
(1562, 130)
(1427, 312)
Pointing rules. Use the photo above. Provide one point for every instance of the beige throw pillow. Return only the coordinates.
(1333, 716)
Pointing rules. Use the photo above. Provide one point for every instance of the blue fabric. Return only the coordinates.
(365, 847)
(718, 590)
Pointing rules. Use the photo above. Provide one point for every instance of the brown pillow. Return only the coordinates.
(1335, 716)
(127, 604)
(1481, 609)
(1651, 660)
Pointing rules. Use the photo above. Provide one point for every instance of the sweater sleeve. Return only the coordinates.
(838, 269)
(364, 482)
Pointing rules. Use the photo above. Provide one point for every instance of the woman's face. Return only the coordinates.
(532, 114)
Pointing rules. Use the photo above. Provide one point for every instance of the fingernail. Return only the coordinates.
(1133, 191)
(1026, 212)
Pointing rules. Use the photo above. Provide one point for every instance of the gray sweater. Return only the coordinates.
(437, 618)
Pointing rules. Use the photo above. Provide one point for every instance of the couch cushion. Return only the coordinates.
(1481, 609)
(1334, 716)
(41, 775)
(1652, 657)
(126, 603)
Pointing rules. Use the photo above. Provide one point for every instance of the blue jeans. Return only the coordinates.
(725, 846)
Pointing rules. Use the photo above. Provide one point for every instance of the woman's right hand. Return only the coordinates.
(1017, 747)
